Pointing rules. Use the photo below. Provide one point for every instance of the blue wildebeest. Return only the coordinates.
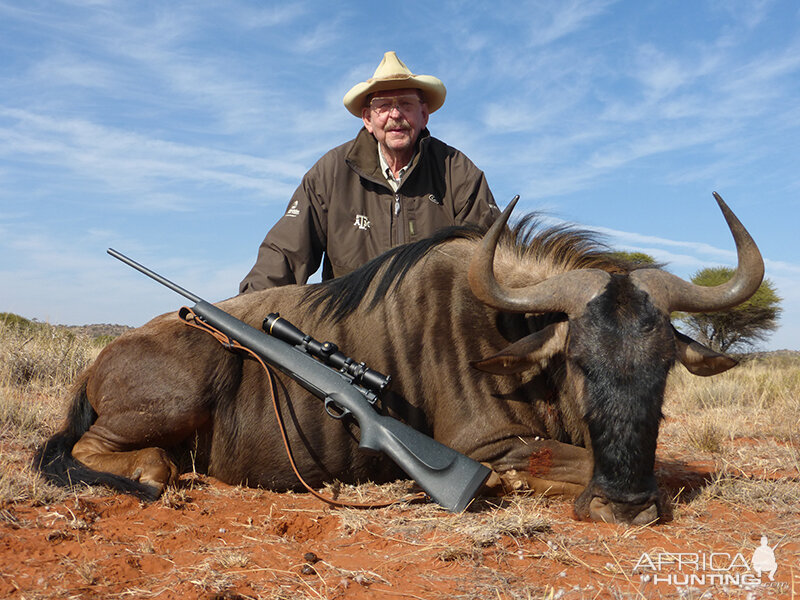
(528, 349)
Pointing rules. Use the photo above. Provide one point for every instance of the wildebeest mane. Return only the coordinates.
(562, 247)
(337, 298)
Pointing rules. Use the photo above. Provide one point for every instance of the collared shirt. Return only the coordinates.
(387, 171)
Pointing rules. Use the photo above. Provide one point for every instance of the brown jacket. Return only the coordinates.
(345, 210)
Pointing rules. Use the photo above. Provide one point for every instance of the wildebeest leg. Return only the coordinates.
(554, 469)
(133, 431)
(150, 466)
(153, 404)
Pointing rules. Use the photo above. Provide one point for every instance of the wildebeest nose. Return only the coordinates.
(648, 515)
(601, 509)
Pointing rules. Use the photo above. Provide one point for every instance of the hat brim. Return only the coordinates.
(431, 87)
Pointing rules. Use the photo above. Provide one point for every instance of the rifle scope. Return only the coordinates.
(327, 352)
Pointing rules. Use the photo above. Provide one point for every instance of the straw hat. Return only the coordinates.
(393, 74)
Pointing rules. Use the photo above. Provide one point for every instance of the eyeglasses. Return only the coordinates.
(405, 104)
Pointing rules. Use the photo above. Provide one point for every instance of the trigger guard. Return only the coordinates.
(334, 410)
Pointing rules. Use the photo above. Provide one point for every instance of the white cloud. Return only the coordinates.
(258, 17)
(746, 14)
(550, 22)
(49, 277)
(122, 159)
(68, 70)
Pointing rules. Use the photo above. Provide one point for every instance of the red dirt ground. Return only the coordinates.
(208, 540)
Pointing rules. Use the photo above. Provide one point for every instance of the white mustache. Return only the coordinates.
(391, 124)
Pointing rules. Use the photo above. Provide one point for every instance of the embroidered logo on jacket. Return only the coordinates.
(362, 222)
(293, 211)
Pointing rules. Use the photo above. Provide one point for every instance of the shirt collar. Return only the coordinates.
(387, 171)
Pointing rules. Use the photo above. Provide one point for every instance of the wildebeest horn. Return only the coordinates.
(672, 293)
(567, 292)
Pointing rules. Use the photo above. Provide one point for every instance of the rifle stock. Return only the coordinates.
(450, 478)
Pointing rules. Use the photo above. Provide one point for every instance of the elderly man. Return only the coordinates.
(392, 184)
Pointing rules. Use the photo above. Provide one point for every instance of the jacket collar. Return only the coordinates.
(362, 156)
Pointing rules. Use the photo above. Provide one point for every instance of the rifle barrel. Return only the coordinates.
(153, 275)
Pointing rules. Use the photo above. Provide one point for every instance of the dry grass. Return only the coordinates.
(42, 356)
(38, 363)
(745, 421)
(758, 399)
(756, 494)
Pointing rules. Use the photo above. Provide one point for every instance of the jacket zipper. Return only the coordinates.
(397, 225)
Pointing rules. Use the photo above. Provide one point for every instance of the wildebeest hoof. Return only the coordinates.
(515, 482)
(493, 486)
(506, 482)
(153, 467)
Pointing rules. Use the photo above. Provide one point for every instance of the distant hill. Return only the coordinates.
(103, 330)
(98, 330)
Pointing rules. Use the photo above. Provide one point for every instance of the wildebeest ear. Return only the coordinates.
(699, 359)
(527, 353)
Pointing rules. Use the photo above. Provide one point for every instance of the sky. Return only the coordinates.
(176, 132)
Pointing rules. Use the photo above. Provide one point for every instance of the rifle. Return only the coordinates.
(450, 478)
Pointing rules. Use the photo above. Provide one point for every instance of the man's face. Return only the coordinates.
(396, 118)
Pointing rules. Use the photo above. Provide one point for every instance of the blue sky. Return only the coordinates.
(176, 132)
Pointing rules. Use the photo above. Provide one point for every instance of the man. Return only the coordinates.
(392, 184)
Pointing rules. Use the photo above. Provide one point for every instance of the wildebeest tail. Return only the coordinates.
(55, 462)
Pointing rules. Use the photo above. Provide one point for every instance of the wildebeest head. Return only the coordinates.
(618, 346)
